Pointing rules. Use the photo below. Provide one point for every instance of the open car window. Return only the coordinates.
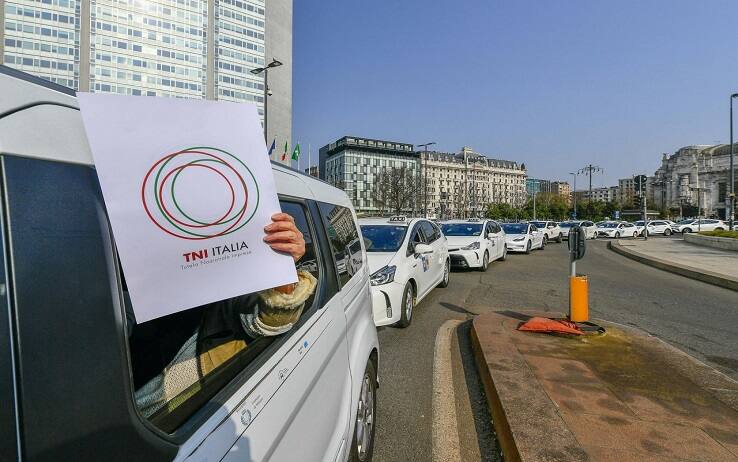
(180, 362)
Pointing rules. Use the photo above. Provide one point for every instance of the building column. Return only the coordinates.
(85, 40)
(210, 73)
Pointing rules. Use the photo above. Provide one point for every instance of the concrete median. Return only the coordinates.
(623, 395)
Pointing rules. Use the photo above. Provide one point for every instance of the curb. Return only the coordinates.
(499, 419)
(445, 436)
(682, 270)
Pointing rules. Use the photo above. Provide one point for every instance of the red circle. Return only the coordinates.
(199, 238)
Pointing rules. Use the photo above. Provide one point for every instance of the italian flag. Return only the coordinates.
(286, 150)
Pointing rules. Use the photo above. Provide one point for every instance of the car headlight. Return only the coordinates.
(383, 276)
(472, 246)
(518, 239)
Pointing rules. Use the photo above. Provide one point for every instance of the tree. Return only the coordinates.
(395, 189)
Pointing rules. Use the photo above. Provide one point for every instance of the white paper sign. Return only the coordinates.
(189, 188)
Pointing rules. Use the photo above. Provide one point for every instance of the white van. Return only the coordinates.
(72, 357)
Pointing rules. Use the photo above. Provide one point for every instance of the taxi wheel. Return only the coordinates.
(504, 254)
(446, 274)
(408, 305)
(485, 262)
(617, 234)
(559, 239)
(527, 249)
(543, 243)
(667, 232)
(362, 445)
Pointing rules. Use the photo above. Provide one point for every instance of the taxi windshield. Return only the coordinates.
(515, 228)
(609, 225)
(539, 224)
(383, 238)
(462, 229)
(568, 224)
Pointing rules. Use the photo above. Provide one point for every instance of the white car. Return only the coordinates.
(590, 229)
(408, 257)
(308, 393)
(474, 243)
(697, 225)
(616, 229)
(657, 227)
(551, 230)
(523, 237)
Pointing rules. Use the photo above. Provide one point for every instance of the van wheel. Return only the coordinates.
(446, 275)
(362, 446)
(408, 305)
(485, 262)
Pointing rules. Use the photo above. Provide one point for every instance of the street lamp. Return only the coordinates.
(267, 91)
(425, 175)
(731, 215)
(574, 194)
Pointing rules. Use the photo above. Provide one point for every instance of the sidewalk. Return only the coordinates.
(621, 396)
(714, 266)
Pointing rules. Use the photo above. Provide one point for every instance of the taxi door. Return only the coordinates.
(419, 265)
(496, 240)
(435, 260)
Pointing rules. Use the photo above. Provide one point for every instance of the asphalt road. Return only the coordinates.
(698, 318)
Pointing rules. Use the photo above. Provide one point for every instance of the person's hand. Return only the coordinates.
(283, 236)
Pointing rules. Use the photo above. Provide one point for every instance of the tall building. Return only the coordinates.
(176, 48)
(354, 165)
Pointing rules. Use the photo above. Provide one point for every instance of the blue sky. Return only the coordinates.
(556, 84)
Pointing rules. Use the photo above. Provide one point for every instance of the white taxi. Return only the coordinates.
(408, 257)
(474, 243)
(523, 237)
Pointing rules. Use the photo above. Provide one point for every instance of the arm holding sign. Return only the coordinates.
(229, 325)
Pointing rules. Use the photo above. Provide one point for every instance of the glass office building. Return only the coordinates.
(178, 48)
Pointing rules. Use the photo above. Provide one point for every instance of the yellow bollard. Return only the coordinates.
(578, 298)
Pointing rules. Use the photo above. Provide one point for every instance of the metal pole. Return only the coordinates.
(425, 184)
(731, 216)
(534, 204)
(266, 102)
(645, 207)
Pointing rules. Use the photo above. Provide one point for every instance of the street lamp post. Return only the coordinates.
(731, 215)
(574, 193)
(267, 91)
(425, 176)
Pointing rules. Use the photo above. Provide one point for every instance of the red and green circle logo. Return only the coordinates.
(173, 188)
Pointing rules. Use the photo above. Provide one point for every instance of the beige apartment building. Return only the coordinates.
(561, 188)
(463, 184)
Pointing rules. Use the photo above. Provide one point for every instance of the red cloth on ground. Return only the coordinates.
(561, 326)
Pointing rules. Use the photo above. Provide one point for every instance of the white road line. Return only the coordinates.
(445, 437)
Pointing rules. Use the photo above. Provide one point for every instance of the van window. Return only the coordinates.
(343, 235)
(179, 362)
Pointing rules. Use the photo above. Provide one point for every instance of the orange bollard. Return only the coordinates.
(578, 298)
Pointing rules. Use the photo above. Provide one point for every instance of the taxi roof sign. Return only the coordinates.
(397, 218)
(472, 220)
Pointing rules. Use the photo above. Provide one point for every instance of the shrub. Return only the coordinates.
(731, 234)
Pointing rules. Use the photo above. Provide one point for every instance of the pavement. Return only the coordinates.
(621, 396)
(714, 266)
(698, 318)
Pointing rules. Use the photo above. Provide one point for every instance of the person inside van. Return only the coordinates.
(228, 326)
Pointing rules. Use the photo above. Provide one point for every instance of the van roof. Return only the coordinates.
(31, 106)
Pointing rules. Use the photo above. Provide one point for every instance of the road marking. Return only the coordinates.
(445, 430)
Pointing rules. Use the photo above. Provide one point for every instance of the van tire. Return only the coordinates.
(369, 393)
(406, 319)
